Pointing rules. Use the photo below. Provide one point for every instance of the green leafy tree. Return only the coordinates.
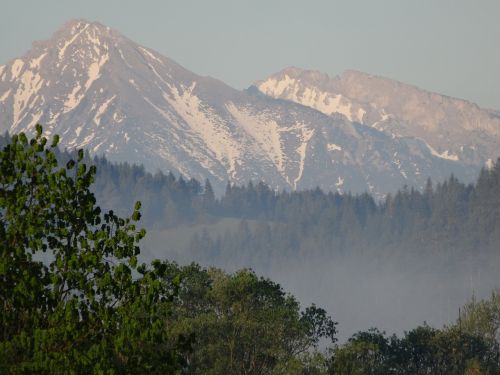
(243, 324)
(365, 353)
(482, 319)
(421, 351)
(70, 301)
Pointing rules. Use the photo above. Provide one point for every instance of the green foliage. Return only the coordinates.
(74, 299)
(482, 318)
(69, 300)
(424, 350)
(364, 353)
(243, 324)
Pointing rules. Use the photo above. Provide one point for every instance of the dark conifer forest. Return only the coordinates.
(448, 216)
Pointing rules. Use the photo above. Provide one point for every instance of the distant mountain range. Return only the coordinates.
(295, 130)
(453, 129)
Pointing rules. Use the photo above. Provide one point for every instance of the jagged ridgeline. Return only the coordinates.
(295, 130)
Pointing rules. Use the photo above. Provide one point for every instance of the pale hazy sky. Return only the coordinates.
(448, 46)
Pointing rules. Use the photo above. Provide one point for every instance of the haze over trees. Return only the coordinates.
(414, 256)
(458, 216)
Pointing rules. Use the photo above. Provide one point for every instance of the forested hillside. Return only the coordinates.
(446, 217)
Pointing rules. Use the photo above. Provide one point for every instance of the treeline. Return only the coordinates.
(167, 200)
(448, 216)
(242, 324)
(467, 347)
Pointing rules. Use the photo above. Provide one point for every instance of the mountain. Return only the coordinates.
(99, 90)
(453, 129)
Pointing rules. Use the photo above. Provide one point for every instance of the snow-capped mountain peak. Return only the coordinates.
(453, 129)
(99, 90)
(310, 88)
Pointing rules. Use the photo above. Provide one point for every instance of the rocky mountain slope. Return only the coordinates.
(453, 129)
(101, 91)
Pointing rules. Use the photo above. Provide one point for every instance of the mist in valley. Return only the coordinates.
(416, 257)
(394, 294)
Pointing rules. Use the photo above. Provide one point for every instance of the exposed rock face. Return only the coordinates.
(101, 91)
(454, 129)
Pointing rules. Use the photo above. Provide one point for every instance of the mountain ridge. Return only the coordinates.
(446, 124)
(100, 90)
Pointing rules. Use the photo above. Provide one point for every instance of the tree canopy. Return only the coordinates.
(69, 299)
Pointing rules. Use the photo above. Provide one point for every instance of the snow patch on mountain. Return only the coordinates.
(340, 182)
(35, 118)
(361, 114)
(265, 132)
(302, 151)
(76, 95)
(150, 55)
(323, 102)
(78, 130)
(118, 117)
(123, 56)
(274, 87)
(16, 68)
(333, 147)
(35, 63)
(67, 43)
(30, 84)
(329, 105)
(207, 125)
(294, 90)
(72, 99)
(5, 95)
(93, 38)
(102, 109)
(444, 155)
(87, 140)
(94, 70)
